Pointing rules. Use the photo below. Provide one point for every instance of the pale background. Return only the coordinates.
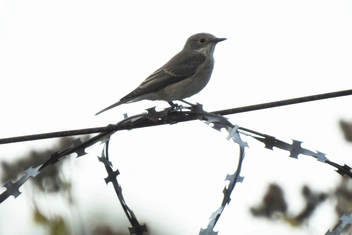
(61, 62)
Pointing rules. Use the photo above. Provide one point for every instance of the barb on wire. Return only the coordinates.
(14, 188)
(343, 222)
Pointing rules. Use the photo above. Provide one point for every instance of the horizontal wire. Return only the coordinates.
(129, 126)
(285, 102)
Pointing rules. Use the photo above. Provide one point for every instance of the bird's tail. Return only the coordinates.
(110, 107)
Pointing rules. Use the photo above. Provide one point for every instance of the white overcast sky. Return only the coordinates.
(62, 61)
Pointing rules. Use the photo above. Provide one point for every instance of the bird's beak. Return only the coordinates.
(219, 39)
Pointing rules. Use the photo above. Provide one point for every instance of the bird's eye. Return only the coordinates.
(202, 40)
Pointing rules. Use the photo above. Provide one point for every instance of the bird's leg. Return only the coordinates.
(172, 104)
(186, 102)
(175, 106)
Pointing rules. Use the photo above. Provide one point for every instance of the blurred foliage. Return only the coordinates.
(56, 225)
(343, 195)
(49, 179)
(52, 181)
(346, 128)
(274, 206)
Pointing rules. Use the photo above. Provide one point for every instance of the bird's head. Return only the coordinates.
(203, 42)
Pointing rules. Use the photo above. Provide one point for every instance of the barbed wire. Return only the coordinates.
(136, 228)
(148, 123)
(344, 221)
(172, 116)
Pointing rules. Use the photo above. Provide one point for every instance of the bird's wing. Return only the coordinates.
(177, 69)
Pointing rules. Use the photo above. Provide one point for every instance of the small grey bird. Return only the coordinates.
(186, 74)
